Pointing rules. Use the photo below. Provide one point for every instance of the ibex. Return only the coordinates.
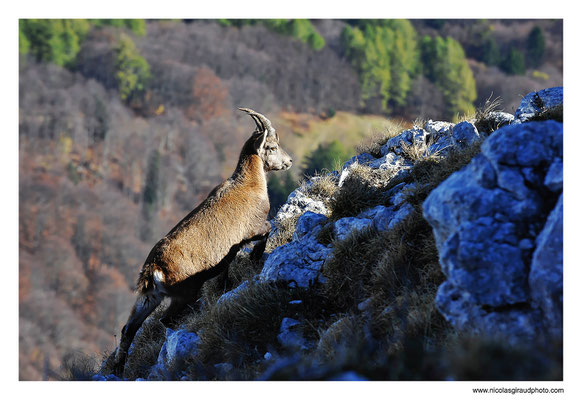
(202, 245)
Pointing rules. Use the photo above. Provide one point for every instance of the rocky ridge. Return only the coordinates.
(497, 225)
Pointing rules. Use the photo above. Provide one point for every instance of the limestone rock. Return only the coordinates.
(545, 277)
(486, 219)
(300, 260)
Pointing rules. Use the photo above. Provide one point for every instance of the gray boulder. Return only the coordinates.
(301, 259)
(290, 335)
(297, 203)
(466, 314)
(545, 277)
(554, 177)
(464, 134)
(178, 345)
(438, 128)
(486, 220)
(345, 226)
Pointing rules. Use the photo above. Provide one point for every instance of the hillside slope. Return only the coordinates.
(126, 125)
(445, 236)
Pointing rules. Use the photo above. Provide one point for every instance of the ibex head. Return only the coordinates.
(266, 143)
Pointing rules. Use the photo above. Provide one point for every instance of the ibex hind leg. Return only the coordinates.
(143, 307)
(173, 311)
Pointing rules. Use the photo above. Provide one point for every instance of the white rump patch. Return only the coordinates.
(158, 277)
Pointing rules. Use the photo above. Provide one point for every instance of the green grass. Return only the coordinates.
(303, 133)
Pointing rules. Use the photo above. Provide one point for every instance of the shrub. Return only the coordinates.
(514, 62)
(132, 70)
(324, 157)
(536, 47)
(53, 40)
(78, 367)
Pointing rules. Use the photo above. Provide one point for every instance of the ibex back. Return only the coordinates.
(206, 240)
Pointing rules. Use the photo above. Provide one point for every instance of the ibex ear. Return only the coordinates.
(260, 139)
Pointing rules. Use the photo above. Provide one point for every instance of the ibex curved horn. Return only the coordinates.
(263, 124)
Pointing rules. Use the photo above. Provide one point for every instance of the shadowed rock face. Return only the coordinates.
(498, 228)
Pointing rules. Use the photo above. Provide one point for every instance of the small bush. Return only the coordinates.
(78, 367)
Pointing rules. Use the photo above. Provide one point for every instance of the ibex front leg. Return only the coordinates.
(262, 236)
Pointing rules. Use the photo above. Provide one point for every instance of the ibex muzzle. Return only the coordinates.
(203, 244)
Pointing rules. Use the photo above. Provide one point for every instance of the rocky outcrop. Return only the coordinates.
(497, 225)
(301, 260)
(536, 104)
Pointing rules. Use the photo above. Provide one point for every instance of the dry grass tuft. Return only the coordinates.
(241, 331)
(419, 122)
(284, 233)
(372, 144)
(419, 151)
(348, 269)
(553, 113)
(322, 187)
(492, 359)
(78, 366)
(484, 122)
(491, 105)
(362, 189)
(326, 235)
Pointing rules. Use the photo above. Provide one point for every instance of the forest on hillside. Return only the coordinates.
(126, 125)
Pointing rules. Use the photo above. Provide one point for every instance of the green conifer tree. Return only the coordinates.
(536, 47)
(514, 62)
(445, 65)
